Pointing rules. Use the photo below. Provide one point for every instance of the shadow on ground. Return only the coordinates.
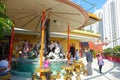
(110, 71)
(96, 70)
(116, 72)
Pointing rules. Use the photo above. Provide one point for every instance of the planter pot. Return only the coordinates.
(118, 60)
(112, 58)
(108, 57)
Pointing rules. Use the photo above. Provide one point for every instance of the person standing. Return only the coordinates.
(89, 59)
(72, 50)
(100, 62)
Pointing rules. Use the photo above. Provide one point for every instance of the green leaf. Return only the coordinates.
(2, 8)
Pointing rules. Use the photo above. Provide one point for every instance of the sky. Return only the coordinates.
(90, 5)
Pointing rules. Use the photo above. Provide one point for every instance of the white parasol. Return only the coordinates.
(27, 14)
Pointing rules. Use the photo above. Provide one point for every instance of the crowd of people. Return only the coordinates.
(27, 51)
(54, 51)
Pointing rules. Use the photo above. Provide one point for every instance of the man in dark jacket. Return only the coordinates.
(72, 50)
(89, 59)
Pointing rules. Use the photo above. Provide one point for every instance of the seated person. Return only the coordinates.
(3, 67)
(46, 63)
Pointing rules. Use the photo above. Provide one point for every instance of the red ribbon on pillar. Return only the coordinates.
(11, 47)
(68, 55)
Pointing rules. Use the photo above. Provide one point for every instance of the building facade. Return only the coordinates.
(109, 26)
(111, 19)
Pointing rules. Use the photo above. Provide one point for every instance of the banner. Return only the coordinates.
(95, 46)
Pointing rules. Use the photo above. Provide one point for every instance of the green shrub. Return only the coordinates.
(116, 49)
(113, 51)
(5, 22)
(108, 51)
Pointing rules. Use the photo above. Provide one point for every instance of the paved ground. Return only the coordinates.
(111, 71)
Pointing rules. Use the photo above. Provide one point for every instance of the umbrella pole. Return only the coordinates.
(42, 49)
(68, 55)
(42, 41)
(11, 46)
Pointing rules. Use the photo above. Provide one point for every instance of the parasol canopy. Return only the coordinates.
(27, 14)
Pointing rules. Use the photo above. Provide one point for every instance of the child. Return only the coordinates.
(76, 54)
(46, 63)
